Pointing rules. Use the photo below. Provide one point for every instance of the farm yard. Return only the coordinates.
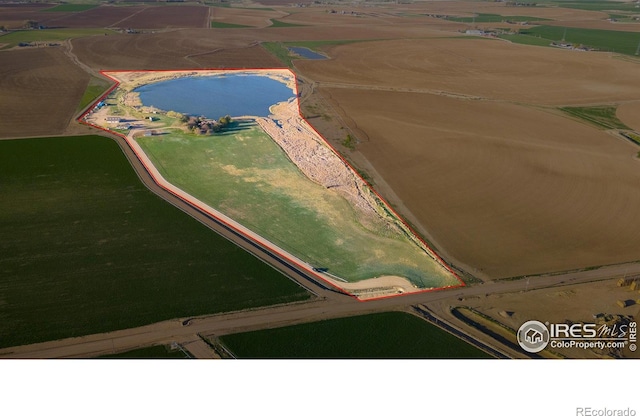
(467, 137)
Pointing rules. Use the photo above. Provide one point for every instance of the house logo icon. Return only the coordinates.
(533, 336)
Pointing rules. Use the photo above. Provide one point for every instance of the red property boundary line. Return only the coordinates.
(270, 250)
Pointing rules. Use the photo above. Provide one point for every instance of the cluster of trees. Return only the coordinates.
(32, 24)
(203, 125)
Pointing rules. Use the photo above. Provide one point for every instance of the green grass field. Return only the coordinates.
(382, 335)
(223, 25)
(278, 23)
(602, 116)
(49, 35)
(71, 8)
(606, 40)
(494, 18)
(248, 177)
(593, 5)
(155, 352)
(95, 88)
(86, 248)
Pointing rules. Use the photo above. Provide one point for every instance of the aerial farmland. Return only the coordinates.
(466, 167)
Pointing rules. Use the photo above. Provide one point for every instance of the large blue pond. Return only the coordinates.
(217, 95)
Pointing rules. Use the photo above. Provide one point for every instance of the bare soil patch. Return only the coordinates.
(250, 57)
(249, 17)
(371, 19)
(41, 89)
(481, 68)
(504, 189)
(629, 113)
(14, 16)
(165, 17)
(102, 16)
(183, 49)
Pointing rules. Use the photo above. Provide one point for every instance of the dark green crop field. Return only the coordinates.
(155, 352)
(382, 335)
(86, 248)
(593, 5)
(605, 40)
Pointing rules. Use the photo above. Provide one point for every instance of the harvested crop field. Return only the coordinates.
(173, 50)
(41, 89)
(505, 189)
(98, 17)
(480, 68)
(14, 16)
(629, 114)
(248, 17)
(135, 16)
(166, 17)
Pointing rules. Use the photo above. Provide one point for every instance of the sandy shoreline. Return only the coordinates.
(130, 80)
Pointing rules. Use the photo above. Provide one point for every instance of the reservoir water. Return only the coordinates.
(306, 53)
(217, 95)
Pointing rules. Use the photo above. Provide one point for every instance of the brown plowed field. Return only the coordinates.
(99, 17)
(40, 91)
(629, 114)
(485, 68)
(14, 16)
(250, 57)
(135, 16)
(162, 17)
(503, 188)
(248, 17)
(168, 50)
(190, 48)
(282, 2)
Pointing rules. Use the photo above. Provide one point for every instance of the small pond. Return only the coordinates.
(306, 53)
